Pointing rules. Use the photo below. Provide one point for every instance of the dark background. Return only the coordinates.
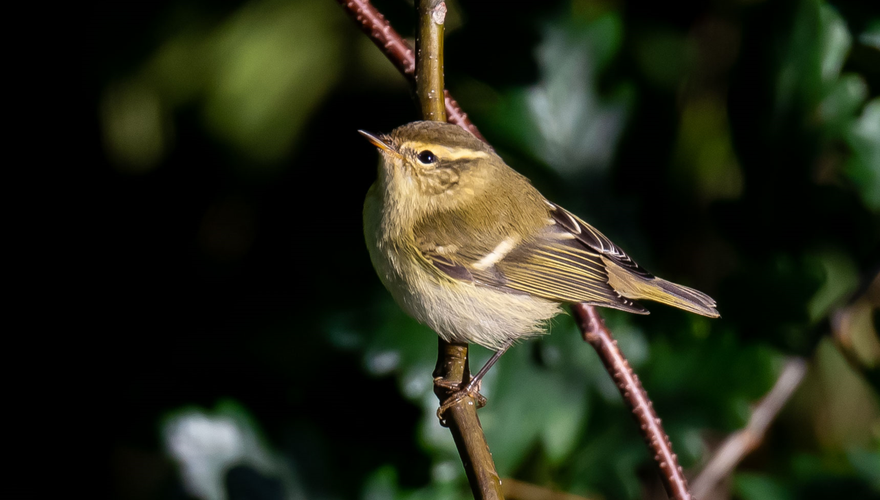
(729, 146)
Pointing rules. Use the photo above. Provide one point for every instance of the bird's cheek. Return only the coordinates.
(404, 170)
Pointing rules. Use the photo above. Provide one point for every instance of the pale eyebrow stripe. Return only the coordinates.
(444, 152)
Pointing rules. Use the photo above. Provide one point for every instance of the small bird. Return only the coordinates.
(468, 247)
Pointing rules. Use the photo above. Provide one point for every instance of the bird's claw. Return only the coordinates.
(456, 397)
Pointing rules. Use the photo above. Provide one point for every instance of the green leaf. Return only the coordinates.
(834, 42)
(843, 101)
(841, 279)
(564, 119)
(760, 487)
(867, 464)
(273, 63)
(863, 166)
(871, 35)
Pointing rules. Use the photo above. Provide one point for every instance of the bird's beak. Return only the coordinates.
(379, 143)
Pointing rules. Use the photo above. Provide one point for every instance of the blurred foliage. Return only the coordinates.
(731, 146)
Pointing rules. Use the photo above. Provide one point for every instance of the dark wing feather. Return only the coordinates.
(448, 266)
(592, 238)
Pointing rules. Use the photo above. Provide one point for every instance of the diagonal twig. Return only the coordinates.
(741, 443)
(597, 334)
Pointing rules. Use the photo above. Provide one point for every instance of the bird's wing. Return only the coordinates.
(566, 260)
(592, 238)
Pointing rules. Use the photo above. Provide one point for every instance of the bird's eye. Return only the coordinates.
(427, 157)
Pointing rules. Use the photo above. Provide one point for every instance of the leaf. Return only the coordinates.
(760, 487)
(863, 166)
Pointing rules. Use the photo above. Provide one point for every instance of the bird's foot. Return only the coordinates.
(470, 390)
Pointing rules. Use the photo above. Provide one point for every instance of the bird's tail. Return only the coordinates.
(637, 287)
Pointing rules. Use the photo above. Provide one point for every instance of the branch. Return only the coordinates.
(463, 423)
(452, 362)
(741, 443)
(597, 334)
(429, 63)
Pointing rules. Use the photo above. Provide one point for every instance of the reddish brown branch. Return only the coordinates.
(399, 52)
(596, 333)
(374, 24)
